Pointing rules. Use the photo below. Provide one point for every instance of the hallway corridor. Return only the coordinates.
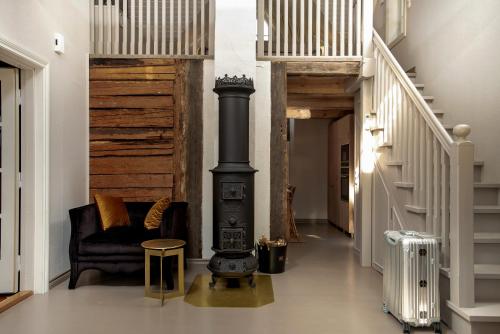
(323, 290)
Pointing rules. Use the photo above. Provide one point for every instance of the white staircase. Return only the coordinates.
(434, 185)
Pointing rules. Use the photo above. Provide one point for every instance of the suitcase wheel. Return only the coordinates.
(437, 327)
(406, 328)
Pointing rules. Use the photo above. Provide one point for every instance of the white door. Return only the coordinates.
(9, 192)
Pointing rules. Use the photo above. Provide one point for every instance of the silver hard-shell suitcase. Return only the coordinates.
(411, 279)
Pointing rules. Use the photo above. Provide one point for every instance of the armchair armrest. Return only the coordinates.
(84, 222)
(174, 222)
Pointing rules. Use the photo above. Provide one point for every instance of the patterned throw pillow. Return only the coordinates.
(155, 214)
(112, 211)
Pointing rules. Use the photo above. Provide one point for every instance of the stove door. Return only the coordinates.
(233, 239)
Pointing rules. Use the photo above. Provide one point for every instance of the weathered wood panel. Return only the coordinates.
(146, 133)
(132, 129)
(123, 181)
(141, 102)
(114, 88)
(135, 194)
(133, 118)
(131, 133)
(132, 165)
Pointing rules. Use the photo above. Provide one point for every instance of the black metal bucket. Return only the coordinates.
(271, 259)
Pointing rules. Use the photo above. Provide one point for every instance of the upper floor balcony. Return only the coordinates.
(286, 29)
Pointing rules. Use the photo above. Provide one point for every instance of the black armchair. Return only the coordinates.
(118, 250)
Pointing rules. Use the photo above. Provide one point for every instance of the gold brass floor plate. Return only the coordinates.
(201, 295)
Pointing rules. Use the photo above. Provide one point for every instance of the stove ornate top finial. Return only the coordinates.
(235, 81)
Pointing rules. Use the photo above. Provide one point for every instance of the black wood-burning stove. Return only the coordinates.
(233, 186)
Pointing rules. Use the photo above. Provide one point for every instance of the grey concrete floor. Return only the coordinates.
(324, 290)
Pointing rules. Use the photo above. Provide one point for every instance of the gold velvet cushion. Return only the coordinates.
(155, 214)
(112, 211)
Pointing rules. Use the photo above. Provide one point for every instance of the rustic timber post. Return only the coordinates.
(462, 219)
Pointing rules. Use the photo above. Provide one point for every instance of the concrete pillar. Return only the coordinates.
(235, 54)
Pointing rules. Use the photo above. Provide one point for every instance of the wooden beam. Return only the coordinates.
(298, 113)
(306, 84)
(279, 153)
(304, 113)
(321, 102)
(194, 154)
(324, 68)
(130, 62)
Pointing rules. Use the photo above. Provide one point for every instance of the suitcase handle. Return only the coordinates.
(391, 241)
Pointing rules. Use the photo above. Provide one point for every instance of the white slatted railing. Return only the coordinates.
(309, 29)
(437, 169)
(181, 28)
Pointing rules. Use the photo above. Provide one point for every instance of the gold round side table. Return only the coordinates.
(163, 248)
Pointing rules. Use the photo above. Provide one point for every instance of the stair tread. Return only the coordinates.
(486, 185)
(481, 312)
(438, 112)
(487, 237)
(487, 208)
(428, 97)
(481, 271)
(478, 163)
(487, 271)
(411, 74)
(415, 208)
(401, 184)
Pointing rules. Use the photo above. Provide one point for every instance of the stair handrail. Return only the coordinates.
(422, 106)
(451, 178)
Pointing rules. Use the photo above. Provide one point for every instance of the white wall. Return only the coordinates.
(31, 25)
(453, 44)
(235, 55)
(309, 168)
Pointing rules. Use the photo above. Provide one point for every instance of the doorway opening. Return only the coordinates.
(10, 180)
(321, 150)
(32, 203)
(313, 149)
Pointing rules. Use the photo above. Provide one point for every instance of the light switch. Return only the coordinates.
(58, 43)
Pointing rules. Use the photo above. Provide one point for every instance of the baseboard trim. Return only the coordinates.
(198, 261)
(378, 267)
(14, 299)
(310, 221)
(59, 279)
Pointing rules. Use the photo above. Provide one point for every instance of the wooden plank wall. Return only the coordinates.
(146, 133)
(132, 128)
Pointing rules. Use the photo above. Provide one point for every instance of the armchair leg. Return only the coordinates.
(74, 274)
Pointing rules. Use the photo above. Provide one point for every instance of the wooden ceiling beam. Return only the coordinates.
(320, 102)
(304, 113)
(306, 84)
(323, 68)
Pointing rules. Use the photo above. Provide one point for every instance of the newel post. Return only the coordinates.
(462, 218)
